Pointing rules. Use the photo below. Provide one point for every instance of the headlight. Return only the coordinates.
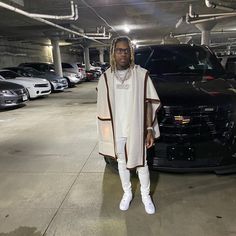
(2, 92)
(55, 81)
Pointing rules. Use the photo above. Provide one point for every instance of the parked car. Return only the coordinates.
(72, 78)
(74, 68)
(229, 63)
(198, 115)
(12, 95)
(92, 73)
(44, 70)
(20, 71)
(97, 67)
(105, 66)
(34, 87)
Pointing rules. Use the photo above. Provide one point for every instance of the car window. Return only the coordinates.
(22, 72)
(231, 59)
(165, 60)
(43, 67)
(80, 65)
(66, 65)
(9, 74)
(33, 71)
(231, 65)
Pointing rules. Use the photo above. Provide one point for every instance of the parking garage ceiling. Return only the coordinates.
(148, 21)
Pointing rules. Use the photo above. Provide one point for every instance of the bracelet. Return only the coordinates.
(150, 128)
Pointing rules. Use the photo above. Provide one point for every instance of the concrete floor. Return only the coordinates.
(53, 182)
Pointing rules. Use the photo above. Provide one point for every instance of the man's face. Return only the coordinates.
(122, 55)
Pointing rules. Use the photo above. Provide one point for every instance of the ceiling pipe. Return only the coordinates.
(194, 15)
(95, 37)
(103, 37)
(73, 16)
(190, 20)
(199, 33)
(98, 33)
(211, 4)
(193, 18)
(17, 10)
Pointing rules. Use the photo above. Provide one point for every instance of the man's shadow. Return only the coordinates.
(122, 222)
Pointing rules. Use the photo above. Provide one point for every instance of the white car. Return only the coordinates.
(35, 87)
(72, 78)
(74, 68)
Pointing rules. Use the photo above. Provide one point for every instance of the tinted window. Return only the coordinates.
(33, 71)
(166, 60)
(231, 65)
(9, 74)
(231, 59)
(66, 65)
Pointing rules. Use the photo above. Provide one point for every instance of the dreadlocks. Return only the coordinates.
(112, 51)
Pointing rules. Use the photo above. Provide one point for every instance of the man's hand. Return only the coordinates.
(149, 139)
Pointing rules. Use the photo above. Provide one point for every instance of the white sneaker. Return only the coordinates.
(125, 201)
(148, 204)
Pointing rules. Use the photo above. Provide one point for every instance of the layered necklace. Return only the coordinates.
(122, 79)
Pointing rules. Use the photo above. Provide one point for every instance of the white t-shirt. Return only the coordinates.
(122, 104)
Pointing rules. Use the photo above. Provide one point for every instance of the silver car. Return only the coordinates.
(12, 95)
(57, 83)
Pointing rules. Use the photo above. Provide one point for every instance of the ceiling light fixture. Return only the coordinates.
(126, 28)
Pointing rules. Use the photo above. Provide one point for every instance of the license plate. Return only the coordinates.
(180, 152)
(24, 98)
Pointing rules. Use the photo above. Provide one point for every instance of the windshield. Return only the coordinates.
(9, 74)
(33, 71)
(178, 60)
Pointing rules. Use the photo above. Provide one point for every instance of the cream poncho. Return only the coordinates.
(143, 91)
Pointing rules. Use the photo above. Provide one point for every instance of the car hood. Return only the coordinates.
(31, 79)
(52, 76)
(195, 92)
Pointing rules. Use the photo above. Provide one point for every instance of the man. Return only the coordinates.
(127, 125)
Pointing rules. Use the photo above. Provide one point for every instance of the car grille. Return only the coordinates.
(47, 91)
(179, 124)
(19, 91)
(41, 85)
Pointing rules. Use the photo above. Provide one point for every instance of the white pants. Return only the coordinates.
(143, 172)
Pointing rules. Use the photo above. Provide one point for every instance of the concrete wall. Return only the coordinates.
(13, 53)
(70, 56)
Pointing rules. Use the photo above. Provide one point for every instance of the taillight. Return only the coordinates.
(208, 77)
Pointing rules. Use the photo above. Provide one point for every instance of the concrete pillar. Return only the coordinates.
(206, 28)
(206, 36)
(86, 58)
(101, 55)
(56, 56)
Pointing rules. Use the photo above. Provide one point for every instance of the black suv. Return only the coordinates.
(197, 118)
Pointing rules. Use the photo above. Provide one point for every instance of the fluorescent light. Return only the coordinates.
(126, 29)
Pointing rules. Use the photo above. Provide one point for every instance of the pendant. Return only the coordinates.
(122, 86)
